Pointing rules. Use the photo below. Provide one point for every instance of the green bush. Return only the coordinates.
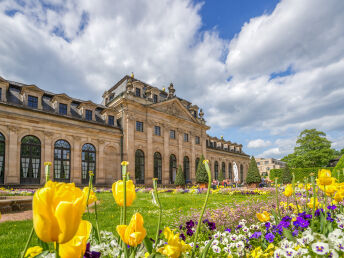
(286, 175)
(300, 173)
(253, 175)
(201, 173)
(180, 179)
(339, 168)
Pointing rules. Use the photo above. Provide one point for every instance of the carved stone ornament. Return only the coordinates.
(12, 128)
(48, 134)
(76, 138)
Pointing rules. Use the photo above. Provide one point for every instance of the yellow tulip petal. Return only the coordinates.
(121, 232)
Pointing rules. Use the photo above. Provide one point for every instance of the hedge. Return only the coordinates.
(300, 173)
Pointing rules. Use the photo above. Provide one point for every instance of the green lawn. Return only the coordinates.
(13, 235)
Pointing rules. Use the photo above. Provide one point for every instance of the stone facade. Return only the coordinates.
(151, 128)
(266, 164)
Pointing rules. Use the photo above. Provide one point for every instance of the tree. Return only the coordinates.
(312, 150)
(201, 173)
(286, 175)
(180, 179)
(253, 175)
(221, 176)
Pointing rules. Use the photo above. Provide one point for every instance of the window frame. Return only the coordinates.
(31, 103)
(157, 130)
(197, 140)
(139, 126)
(87, 113)
(64, 106)
(63, 150)
(138, 92)
(173, 132)
(86, 150)
(186, 137)
(111, 118)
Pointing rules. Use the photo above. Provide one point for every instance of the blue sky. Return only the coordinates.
(261, 70)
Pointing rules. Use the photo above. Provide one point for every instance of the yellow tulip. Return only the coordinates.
(77, 246)
(118, 192)
(174, 247)
(339, 196)
(288, 190)
(263, 217)
(311, 203)
(324, 177)
(33, 251)
(57, 211)
(329, 189)
(133, 234)
(92, 197)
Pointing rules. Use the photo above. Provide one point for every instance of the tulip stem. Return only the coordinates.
(314, 199)
(203, 209)
(124, 175)
(277, 203)
(97, 225)
(27, 243)
(160, 211)
(294, 194)
(57, 250)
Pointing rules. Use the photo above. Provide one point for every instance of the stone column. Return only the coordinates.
(204, 143)
(100, 177)
(48, 155)
(149, 167)
(166, 156)
(129, 144)
(193, 159)
(180, 147)
(12, 172)
(75, 175)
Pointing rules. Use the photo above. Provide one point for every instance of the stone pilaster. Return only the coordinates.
(12, 172)
(193, 158)
(149, 168)
(48, 148)
(166, 156)
(100, 177)
(76, 160)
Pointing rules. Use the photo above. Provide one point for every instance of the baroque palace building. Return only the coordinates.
(151, 128)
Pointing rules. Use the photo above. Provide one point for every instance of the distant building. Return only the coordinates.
(333, 162)
(266, 164)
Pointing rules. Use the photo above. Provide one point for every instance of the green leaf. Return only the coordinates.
(206, 249)
(287, 233)
(44, 245)
(148, 244)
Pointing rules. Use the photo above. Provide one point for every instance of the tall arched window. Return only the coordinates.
(88, 162)
(186, 164)
(223, 167)
(173, 168)
(2, 158)
(216, 170)
(196, 165)
(139, 167)
(241, 173)
(230, 175)
(158, 167)
(30, 160)
(62, 161)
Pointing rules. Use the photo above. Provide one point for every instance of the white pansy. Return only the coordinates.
(286, 244)
(278, 253)
(239, 245)
(216, 249)
(320, 248)
(332, 253)
(302, 252)
(339, 245)
(216, 235)
(225, 240)
(234, 237)
(289, 252)
(245, 229)
(215, 242)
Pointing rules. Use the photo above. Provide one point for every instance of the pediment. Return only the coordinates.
(175, 108)
(63, 97)
(32, 88)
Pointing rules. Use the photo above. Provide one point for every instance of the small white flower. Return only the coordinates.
(191, 244)
(215, 242)
(216, 236)
(286, 244)
(335, 234)
(339, 245)
(289, 252)
(332, 253)
(302, 252)
(216, 249)
(278, 253)
(225, 241)
(245, 229)
(320, 248)
(234, 237)
(240, 245)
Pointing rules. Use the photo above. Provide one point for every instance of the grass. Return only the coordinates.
(13, 235)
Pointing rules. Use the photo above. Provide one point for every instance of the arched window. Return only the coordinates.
(139, 167)
(158, 167)
(224, 169)
(186, 164)
(173, 168)
(88, 162)
(30, 160)
(241, 173)
(230, 175)
(62, 161)
(216, 170)
(196, 165)
(2, 158)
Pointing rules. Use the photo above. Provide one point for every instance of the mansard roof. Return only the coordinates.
(14, 97)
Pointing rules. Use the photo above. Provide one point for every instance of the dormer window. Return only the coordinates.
(138, 92)
(0, 94)
(111, 120)
(63, 109)
(155, 98)
(32, 101)
(88, 114)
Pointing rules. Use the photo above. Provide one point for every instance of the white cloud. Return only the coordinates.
(258, 143)
(273, 152)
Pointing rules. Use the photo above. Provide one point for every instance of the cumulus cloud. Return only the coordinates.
(258, 143)
(282, 73)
